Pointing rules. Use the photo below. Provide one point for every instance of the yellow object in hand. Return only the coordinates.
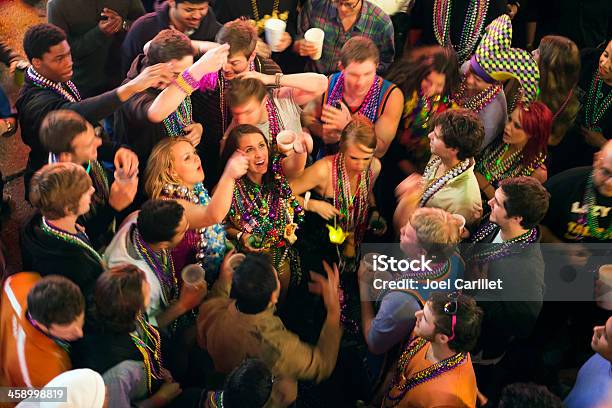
(336, 235)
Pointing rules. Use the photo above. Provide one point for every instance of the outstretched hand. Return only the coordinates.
(328, 288)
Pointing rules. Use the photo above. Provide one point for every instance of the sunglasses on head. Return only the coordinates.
(450, 308)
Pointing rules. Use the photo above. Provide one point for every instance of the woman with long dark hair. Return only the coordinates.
(265, 214)
(559, 62)
(427, 77)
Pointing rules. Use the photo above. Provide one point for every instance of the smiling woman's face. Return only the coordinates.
(256, 149)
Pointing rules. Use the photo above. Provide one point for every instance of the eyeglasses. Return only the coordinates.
(349, 5)
(450, 308)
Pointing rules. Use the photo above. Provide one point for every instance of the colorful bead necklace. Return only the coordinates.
(99, 180)
(211, 241)
(62, 343)
(479, 101)
(472, 25)
(353, 208)
(437, 272)
(436, 184)
(269, 211)
(73, 239)
(591, 218)
(148, 342)
(275, 122)
(216, 399)
(176, 122)
(369, 106)
(493, 252)
(402, 384)
(161, 263)
(495, 168)
(42, 82)
(594, 110)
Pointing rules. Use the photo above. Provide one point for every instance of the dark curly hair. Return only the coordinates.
(461, 129)
(526, 198)
(40, 38)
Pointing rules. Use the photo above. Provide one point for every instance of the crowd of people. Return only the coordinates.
(206, 204)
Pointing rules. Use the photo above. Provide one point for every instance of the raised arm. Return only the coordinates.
(200, 216)
(314, 176)
(302, 87)
(170, 98)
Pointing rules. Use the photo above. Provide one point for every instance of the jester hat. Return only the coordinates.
(496, 60)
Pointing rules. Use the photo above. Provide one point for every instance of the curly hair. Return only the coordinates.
(461, 129)
(40, 38)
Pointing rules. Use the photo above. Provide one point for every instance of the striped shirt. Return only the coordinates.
(372, 23)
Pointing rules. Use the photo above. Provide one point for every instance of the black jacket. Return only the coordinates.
(34, 103)
(148, 26)
(49, 255)
(511, 312)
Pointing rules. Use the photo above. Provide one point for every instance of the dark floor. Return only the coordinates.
(17, 16)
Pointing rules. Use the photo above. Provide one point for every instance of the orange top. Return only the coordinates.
(28, 358)
(454, 388)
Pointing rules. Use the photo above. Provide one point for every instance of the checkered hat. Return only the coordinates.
(498, 59)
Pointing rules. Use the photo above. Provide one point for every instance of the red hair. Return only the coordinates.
(536, 121)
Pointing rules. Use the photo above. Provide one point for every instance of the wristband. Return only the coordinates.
(306, 199)
(189, 79)
(183, 85)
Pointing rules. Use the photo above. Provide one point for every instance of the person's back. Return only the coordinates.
(595, 375)
(245, 326)
(30, 355)
(435, 367)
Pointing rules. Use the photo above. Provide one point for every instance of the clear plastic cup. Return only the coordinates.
(193, 275)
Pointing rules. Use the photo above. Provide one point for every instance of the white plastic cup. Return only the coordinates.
(193, 275)
(315, 36)
(235, 260)
(274, 29)
(285, 140)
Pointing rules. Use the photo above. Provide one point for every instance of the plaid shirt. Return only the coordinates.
(372, 23)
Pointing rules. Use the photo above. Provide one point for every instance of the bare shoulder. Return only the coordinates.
(376, 166)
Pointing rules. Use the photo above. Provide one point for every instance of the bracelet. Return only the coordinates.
(239, 236)
(183, 85)
(190, 79)
(306, 199)
(277, 79)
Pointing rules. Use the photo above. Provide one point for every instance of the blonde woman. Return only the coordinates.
(174, 171)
